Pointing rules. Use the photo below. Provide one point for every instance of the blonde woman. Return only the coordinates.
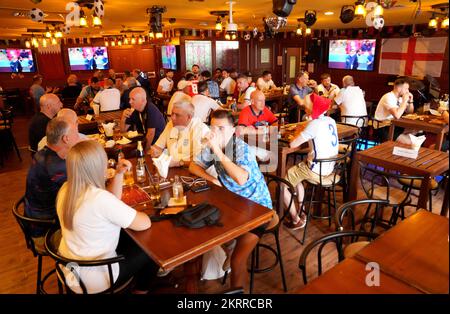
(92, 217)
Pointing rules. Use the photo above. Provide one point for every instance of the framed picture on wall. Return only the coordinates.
(198, 52)
(265, 55)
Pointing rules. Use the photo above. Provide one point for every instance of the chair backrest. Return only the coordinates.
(372, 177)
(339, 166)
(52, 240)
(6, 119)
(359, 121)
(347, 209)
(27, 224)
(281, 184)
(337, 238)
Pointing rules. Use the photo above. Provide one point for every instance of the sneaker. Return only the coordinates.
(294, 226)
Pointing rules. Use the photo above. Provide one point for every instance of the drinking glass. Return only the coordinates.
(155, 193)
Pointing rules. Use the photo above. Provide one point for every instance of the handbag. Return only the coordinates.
(198, 216)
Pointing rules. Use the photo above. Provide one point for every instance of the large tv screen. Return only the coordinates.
(88, 58)
(16, 60)
(169, 57)
(352, 54)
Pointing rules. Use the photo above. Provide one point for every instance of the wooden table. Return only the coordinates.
(171, 246)
(428, 164)
(415, 251)
(349, 277)
(88, 127)
(422, 124)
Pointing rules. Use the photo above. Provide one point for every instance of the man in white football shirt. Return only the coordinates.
(322, 137)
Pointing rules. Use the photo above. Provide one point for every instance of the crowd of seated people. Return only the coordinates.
(66, 178)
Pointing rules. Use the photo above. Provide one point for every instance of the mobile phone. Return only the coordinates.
(200, 188)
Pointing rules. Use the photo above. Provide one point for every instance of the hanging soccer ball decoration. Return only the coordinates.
(378, 23)
(36, 15)
(65, 29)
(255, 32)
(99, 8)
(247, 36)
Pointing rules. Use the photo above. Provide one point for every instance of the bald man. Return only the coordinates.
(143, 117)
(351, 102)
(71, 118)
(50, 104)
(255, 116)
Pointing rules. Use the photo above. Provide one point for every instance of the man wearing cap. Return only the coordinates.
(109, 98)
(184, 88)
(321, 135)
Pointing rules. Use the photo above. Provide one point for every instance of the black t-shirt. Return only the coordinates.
(36, 130)
(46, 175)
(151, 118)
(72, 91)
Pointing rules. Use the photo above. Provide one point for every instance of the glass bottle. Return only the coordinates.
(178, 189)
(266, 132)
(140, 165)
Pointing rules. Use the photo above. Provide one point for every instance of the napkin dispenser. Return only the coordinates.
(408, 145)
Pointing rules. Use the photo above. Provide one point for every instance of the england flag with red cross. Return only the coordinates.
(412, 56)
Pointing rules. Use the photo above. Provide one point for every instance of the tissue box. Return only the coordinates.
(405, 152)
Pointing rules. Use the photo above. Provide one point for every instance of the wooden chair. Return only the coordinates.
(34, 243)
(6, 135)
(52, 240)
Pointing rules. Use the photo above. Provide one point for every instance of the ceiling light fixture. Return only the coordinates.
(219, 25)
(106, 42)
(433, 23)
(27, 44)
(308, 31)
(96, 21)
(232, 28)
(378, 11)
(444, 23)
(328, 13)
(48, 34)
(299, 30)
(360, 10)
(83, 21)
(159, 35)
(113, 43)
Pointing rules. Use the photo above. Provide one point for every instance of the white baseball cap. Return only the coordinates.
(183, 84)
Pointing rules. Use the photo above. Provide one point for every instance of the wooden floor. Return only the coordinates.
(18, 266)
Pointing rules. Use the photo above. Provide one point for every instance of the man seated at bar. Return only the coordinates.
(203, 104)
(72, 89)
(47, 172)
(245, 90)
(88, 93)
(238, 172)
(255, 116)
(143, 117)
(265, 83)
(323, 142)
(92, 217)
(326, 88)
(131, 83)
(297, 94)
(392, 106)
(182, 136)
(165, 85)
(351, 102)
(36, 90)
(50, 104)
(184, 89)
(109, 98)
(71, 118)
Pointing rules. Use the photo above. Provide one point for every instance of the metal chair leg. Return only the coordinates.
(283, 278)
(252, 271)
(39, 274)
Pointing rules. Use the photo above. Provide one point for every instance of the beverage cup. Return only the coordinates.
(96, 109)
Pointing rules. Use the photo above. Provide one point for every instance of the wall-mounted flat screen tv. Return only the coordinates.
(17, 60)
(88, 58)
(169, 57)
(352, 54)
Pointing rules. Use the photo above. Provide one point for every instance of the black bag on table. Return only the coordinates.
(198, 216)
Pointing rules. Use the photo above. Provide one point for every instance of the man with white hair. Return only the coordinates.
(350, 100)
(50, 105)
(143, 116)
(184, 88)
(71, 118)
(47, 172)
(182, 136)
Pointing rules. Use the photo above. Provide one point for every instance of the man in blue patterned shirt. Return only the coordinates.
(237, 171)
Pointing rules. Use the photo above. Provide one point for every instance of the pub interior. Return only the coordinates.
(209, 146)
